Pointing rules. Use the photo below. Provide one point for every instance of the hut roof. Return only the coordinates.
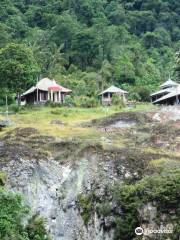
(31, 90)
(166, 90)
(44, 85)
(113, 89)
(169, 83)
(174, 93)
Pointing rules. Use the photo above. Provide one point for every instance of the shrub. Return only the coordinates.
(85, 205)
(2, 178)
(11, 98)
(69, 101)
(53, 104)
(14, 108)
(144, 93)
(117, 101)
(36, 229)
(86, 102)
(134, 96)
(103, 209)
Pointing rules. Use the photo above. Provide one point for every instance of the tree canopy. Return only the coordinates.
(69, 39)
(18, 68)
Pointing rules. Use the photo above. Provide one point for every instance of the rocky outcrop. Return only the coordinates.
(69, 183)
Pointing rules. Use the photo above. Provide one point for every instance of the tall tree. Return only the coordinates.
(18, 68)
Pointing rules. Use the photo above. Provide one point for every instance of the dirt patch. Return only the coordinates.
(122, 118)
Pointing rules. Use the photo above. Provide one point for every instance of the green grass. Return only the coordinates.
(41, 117)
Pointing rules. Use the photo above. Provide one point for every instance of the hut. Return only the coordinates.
(168, 94)
(106, 95)
(45, 90)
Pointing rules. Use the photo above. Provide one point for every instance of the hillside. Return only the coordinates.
(88, 44)
(84, 178)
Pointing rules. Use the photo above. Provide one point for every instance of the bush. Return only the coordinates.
(11, 98)
(53, 104)
(86, 102)
(134, 96)
(36, 229)
(14, 108)
(144, 94)
(2, 178)
(117, 101)
(69, 101)
(85, 204)
(104, 209)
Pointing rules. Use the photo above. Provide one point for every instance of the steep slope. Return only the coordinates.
(101, 190)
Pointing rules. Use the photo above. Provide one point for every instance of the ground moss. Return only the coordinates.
(85, 204)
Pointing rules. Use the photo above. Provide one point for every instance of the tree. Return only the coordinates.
(18, 68)
(5, 35)
(11, 214)
(124, 70)
(85, 47)
(106, 73)
(177, 65)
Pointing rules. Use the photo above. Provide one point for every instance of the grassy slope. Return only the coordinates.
(41, 117)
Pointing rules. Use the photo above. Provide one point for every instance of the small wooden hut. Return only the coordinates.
(106, 95)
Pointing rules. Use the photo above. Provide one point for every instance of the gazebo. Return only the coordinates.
(109, 92)
(168, 93)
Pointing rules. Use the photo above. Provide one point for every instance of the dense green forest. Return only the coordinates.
(89, 44)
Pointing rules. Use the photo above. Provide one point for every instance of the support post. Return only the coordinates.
(59, 96)
(51, 95)
(40, 97)
(37, 97)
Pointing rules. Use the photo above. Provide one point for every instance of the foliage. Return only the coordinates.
(2, 178)
(85, 204)
(89, 45)
(144, 93)
(14, 108)
(118, 101)
(103, 209)
(36, 229)
(162, 189)
(12, 213)
(69, 101)
(18, 68)
(86, 102)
